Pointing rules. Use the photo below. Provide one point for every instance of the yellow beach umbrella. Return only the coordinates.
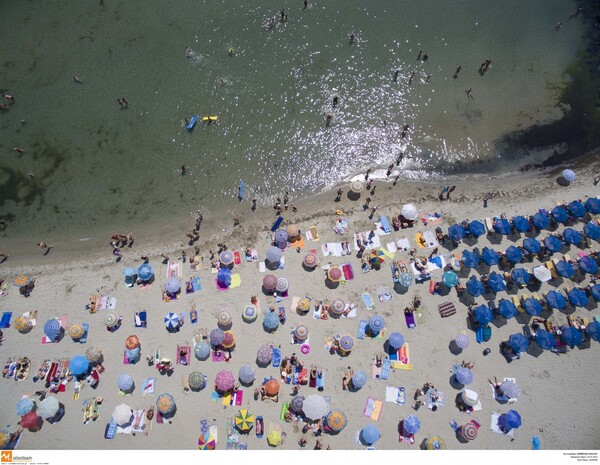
(274, 438)
(244, 420)
(22, 324)
(76, 331)
(304, 305)
(111, 319)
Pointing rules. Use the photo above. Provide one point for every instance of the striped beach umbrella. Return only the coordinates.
(229, 340)
(304, 305)
(282, 285)
(171, 320)
(269, 283)
(207, 441)
(336, 421)
(462, 341)
(165, 404)
(310, 260)
(469, 431)
(244, 420)
(216, 337)
(224, 381)
(22, 280)
(338, 306)
(281, 236)
(296, 404)
(111, 319)
(334, 274)
(293, 230)
(346, 343)
(197, 381)
(376, 323)
(132, 342)
(133, 355)
(224, 318)
(226, 257)
(76, 331)
(52, 329)
(122, 415)
(469, 397)
(301, 332)
(250, 313)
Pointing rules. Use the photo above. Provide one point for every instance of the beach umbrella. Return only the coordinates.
(24, 406)
(346, 343)
(370, 434)
(357, 187)
(304, 305)
(502, 226)
(282, 285)
(111, 319)
(270, 282)
(338, 306)
(22, 324)
(496, 282)
(542, 273)
(281, 236)
(456, 232)
(462, 341)
(229, 340)
(592, 230)
(569, 175)
(518, 342)
(31, 421)
(555, 300)
(224, 318)
(475, 287)
(577, 209)
(507, 309)
(79, 365)
(521, 276)
(271, 321)
(310, 260)
(171, 321)
(396, 340)
(377, 257)
(521, 224)
(595, 290)
(207, 441)
(226, 257)
(216, 337)
(315, 407)
(411, 424)
(544, 339)
(264, 355)
(132, 342)
(532, 245)
(553, 244)
(359, 379)
(334, 274)
(490, 256)
(532, 306)
(593, 330)
(469, 397)
(244, 420)
(48, 407)
(172, 285)
(250, 313)
(22, 280)
(246, 374)
(336, 421)
(145, 272)
(274, 254)
(293, 230)
(376, 323)
(577, 297)
(514, 254)
(483, 314)
(469, 259)
(224, 381)
(52, 329)
(450, 279)
(272, 387)
(469, 431)
(571, 336)
(593, 205)
(560, 214)
(274, 438)
(132, 355)
(224, 277)
(464, 376)
(165, 404)
(128, 272)
(409, 211)
(125, 382)
(75, 331)
(406, 279)
(196, 380)
(564, 268)
(510, 389)
(588, 264)
(296, 404)
(435, 443)
(301, 332)
(202, 351)
(477, 228)
(540, 221)
(509, 420)
(572, 236)
(94, 355)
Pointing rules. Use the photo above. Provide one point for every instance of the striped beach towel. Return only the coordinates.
(446, 309)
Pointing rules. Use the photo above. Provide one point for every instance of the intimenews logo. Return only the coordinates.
(6, 456)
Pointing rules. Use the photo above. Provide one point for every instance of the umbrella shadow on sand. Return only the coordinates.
(454, 348)
(400, 289)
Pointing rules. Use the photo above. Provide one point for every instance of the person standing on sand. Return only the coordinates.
(389, 170)
(44, 246)
(456, 72)
(253, 204)
(367, 174)
(449, 192)
(469, 93)
(339, 195)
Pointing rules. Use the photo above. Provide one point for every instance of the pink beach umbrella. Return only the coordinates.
(334, 274)
(224, 381)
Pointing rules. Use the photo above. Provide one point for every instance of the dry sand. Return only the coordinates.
(557, 402)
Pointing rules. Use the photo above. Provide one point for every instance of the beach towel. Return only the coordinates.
(226, 399)
(332, 249)
(276, 357)
(391, 246)
(362, 326)
(368, 301)
(409, 317)
(5, 322)
(217, 356)
(395, 395)
(352, 313)
(173, 270)
(236, 281)
(314, 234)
(284, 409)
(106, 302)
(373, 408)
(385, 368)
(214, 397)
(320, 380)
(385, 225)
(348, 271)
(148, 386)
(496, 428)
(403, 244)
(237, 258)
(446, 309)
(239, 397)
(196, 283)
(431, 239)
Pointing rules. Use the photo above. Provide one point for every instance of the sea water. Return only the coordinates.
(91, 166)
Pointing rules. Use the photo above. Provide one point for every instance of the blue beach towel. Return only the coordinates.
(479, 334)
(368, 301)
(321, 381)
(385, 368)
(385, 224)
(5, 322)
(362, 326)
(437, 261)
(276, 357)
(111, 430)
(278, 221)
(86, 328)
(196, 283)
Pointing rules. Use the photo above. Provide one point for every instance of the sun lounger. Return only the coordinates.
(141, 319)
(276, 224)
(284, 409)
(517, 303)
(362, 326)
(409, 317)
(5, 322)
(385, 368)
(489, 225)
(110, 430)
(276, 358)
(385, 224)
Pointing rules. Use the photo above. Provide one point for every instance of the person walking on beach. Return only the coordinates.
(389, 170)
(469, 94)
(339, 195)
(236, 221)
(44, 246)
(369, 184)
(373, 210)
(399, 158)
(367, 202)
(457, 71)
(4, 257)
(253, 204)
(445, 189)
(449, 192)
(596, 179)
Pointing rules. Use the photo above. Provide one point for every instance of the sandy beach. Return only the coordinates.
(555, 404)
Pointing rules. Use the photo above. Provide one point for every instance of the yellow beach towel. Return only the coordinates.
(420, 240)
(236, 281)
(314, 233)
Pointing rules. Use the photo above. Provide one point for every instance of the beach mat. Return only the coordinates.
(368, 301)
(446, 309)
(372, 408)
(5, 322)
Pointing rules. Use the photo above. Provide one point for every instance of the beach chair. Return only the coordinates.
(517, 302)
(489, 225)
(111, 430)
(320, 380)
(141, 319)
(385, 224)
(86, 329)
(550, 265)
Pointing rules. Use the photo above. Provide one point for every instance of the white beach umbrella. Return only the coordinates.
(122, 414)
(542, 273)
(315, 407)
(409, 211)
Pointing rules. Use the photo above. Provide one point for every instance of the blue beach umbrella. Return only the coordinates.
(52, 329)
(593, 331)
(24, 406)
(507, 309)
(569, 175)
(475, 287)
(477, 228)
(544, 339)
(577, 297)
(359, 378)
(370, 434)
(376, 323)
(411, 424)
(496, 282)
(202, 351)
(271, 321)
(464, 376)
(483, 314)
(571, 336)
(172, 285)
(577, 209)
(588, 264)
(521, 223)
(469, 259)
(565, 269)
(553, 243)
(346, 343)
(171, 320)
(532, 306)
(79, 365)
(456, 232)
(125, 382)
(273, 254)
(595, 290)
(555, 300)
(593, 205)
(521, 276)
(145, 272)
(510, 420)
(518, 342)
(450, 279)
(396, 340)
(514, 254)
(532, 245)
(560, 214)
(540, 221)
(592, 230)
(572, 236)
(281, 236)
(224, 277)
(502, 226)
(490, 256)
